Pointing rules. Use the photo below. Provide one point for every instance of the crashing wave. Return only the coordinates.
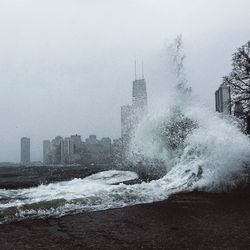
(198, 148)
(193, 141)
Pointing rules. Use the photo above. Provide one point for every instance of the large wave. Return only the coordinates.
(195, 142)
(199, 148)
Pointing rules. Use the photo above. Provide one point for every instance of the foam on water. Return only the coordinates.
(215, 145)
(207, 156)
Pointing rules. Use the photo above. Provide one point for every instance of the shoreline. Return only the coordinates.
(33, 176)
(186, 220)
(194, 220)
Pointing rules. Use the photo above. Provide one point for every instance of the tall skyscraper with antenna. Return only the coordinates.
(139, 95)
(131, 115)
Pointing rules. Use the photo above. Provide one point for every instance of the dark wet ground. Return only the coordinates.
(195, 220)
(25, 177)
(185, 221)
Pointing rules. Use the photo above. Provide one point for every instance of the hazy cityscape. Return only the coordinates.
(74, 150)
(124, 124)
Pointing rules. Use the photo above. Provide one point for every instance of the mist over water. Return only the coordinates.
(199, 148)
(212, 144)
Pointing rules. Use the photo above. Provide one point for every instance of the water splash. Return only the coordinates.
(200, 149)
(190, 138)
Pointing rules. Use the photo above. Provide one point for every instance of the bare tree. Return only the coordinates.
(239, 81)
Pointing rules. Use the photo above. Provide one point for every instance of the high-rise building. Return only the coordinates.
(68, 150)
(56, 151)
(77, 143)
(46, 152)
(140, 94)
(25, 151)
(71, 149)
(131, 115)
(106, 145)
(223, 99)
(127, 121)
(92, 139)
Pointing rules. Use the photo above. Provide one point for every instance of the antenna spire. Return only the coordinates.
(135, 70)
(142, 70)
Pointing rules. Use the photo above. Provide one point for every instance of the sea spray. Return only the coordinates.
(189, 138)
(198, 148)
(210, 153)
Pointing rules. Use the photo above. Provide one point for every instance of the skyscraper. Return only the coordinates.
(46, 152)
(140, 94)
(25, 151)
(223, 99)
(56, 151)
(131, 115)
(67, 148)
(126, 120)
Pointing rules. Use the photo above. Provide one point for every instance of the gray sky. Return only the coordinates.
(66, 66)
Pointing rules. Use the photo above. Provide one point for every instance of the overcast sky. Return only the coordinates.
(66, 66)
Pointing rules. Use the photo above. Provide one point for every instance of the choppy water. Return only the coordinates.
(206, 155)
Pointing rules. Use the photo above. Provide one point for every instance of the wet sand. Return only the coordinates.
(193, 220)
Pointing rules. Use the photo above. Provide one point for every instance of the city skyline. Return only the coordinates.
(70, 74)
(71, 149)
(125, 124)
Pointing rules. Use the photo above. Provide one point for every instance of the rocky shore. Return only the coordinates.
(194, 220)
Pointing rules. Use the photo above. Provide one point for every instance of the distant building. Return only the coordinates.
(67, 150)
(223, 105)
(223, 99)
(127, 121)
(72, 150)
(77, 143)
(25, 151)
(131, 115)
(56, 152)
(106, 143)
(46, 152)
(75, 148)
(139, 99)
(92, 139)
(106, 149)
(97, 151)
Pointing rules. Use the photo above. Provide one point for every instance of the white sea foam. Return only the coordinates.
(209, 155)
(215, 146)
